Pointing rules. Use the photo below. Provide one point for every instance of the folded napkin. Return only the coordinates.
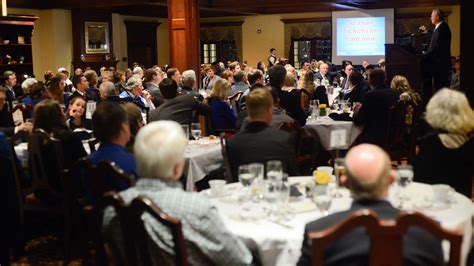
(340, 117)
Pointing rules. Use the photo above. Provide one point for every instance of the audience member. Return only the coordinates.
(240, 83)
(223, 118)
(111, 127)
(446, 153)
(120, 81)
(159, 148)
(81, 84)
(92, 92)
(151, 81)
(373, 113)
(290, 101)
(228, 75)
(355, 90)
(178, 108)
(369, 176)
(76, 114)
(257, 141)
(108, 91)
(7, 125)
(38, 92)
(402, 86)
(189, 84)
(9, 82)
(135, 120)
(56, 87)
(209, 79)
(49, 116)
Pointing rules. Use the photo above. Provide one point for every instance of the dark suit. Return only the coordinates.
(329, 76)
(419, 247)
(258, 143)
(438, 57)
(355, 95)
(373, 115)
(93, 94)
(179, 109)
(154, 91)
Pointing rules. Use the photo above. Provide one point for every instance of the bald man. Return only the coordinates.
(369, 176)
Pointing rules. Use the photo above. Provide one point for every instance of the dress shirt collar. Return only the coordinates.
(437, 25)
(156, 184)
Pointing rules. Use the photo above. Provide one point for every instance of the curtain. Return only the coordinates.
(305, 30)
(225, 33)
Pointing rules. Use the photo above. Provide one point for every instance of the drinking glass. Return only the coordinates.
(274, 171)
(335, 84)
(258, 183)
(317, 82)
(245, 176)
(404, 178)
(322, 198)
(339, 170)
(196, 130)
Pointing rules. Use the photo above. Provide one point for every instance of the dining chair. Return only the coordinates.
(235, 99)
(225, 155)
(386, 236)
(135, 226)
(26, 110)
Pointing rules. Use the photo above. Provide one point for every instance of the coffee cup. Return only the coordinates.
(327, 169)
(217, 187)
(441, 193)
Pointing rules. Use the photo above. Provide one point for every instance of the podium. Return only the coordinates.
(403, 60)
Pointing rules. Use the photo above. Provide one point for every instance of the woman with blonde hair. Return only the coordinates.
(222, 115)
(447, 153)
(402, 86)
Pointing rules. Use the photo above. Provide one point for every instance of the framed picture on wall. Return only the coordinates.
(97, 37)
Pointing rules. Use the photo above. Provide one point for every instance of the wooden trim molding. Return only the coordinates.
(305, 20)
(221, 24)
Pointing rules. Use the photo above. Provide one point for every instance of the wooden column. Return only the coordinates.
(183, 21)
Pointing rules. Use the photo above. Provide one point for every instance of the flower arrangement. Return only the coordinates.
(321, 177)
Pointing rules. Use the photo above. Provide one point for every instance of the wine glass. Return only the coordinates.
(283, 197)
(186, 131)
(196, 130)
(339, 170)
(322, 198)
(404, 178)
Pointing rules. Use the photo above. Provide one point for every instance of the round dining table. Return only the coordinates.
(278, 241)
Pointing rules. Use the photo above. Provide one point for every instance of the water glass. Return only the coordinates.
(257, 170)
(245, 176)
(322, 198)
(196, 130)
(404, 178)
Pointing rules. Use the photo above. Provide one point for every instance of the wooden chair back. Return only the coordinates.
(105, 171)
(37, 142)
(225, 155)
(93, 217)
(26, 110)
(386, 236)
(235, 100)
(143, 204)
(92, 142)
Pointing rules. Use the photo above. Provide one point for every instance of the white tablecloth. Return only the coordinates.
(324, 125)
(280, 244)
(201, 158)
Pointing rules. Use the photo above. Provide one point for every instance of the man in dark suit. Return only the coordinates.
(177, 107)
(9, 82)
(438, 54)
(257, 142)
(324, 74)
(373, 113)
(369, 176)
(81, 84)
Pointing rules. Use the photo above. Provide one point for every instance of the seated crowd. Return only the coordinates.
(249, 105)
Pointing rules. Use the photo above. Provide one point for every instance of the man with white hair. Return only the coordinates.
(159, 150)
(107, 90)
(138, 71)
(369, 176)
(188, 83)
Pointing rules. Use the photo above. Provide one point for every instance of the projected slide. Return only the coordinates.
(362, 36)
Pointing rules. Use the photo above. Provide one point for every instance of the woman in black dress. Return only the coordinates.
(446, 153)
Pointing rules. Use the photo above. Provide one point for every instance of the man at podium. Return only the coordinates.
(438, 54)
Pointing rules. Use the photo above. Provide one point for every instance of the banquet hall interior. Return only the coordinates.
(223, 132)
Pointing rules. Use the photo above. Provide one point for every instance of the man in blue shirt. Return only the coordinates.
(110, 126)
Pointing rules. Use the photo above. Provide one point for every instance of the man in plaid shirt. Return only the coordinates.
(159, 150)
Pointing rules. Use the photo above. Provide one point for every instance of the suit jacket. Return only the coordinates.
(179, 109)
(93, 94)
(154, 91)
(373, 115)
(329, 76)
(438, 53)
(355, 95)
(419, 247)
(258, 143)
